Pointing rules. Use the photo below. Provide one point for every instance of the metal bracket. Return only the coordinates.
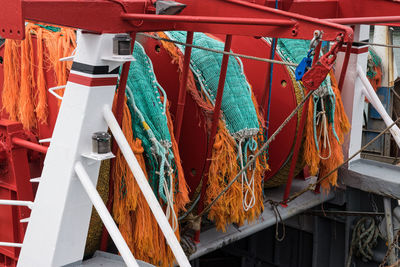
(11, 20)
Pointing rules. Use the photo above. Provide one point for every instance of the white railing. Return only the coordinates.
(105, 215)
(145, 187)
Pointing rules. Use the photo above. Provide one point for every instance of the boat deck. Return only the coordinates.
(212, 239)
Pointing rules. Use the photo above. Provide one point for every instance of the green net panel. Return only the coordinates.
(149, 121)
(237, 106)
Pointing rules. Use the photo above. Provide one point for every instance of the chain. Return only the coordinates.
(219, 51)
(394, 244)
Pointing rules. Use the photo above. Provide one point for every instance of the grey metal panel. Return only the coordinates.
(212, 239)
(105, 259)
(373, 176)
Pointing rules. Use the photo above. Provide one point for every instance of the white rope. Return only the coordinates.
(170, 201)
(321, 117)
(245, 181)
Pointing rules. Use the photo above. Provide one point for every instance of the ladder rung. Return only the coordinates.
(28, 204)
(8, 244)
(35, 180)
(25, 220)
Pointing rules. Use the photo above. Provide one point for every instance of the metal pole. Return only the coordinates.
(376, 102)
(344, 66)
(389, 227)
(182, 87)
(29, 145)
(119, 108)
(105, 215)
(208, 19)
(28, 204)
(145, 187)
(215, 119)
(8, 244)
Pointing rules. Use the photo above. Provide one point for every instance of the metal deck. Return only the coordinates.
(212, 239)
(104, 259)
(373, 176)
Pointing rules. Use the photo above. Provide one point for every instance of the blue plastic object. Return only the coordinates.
(304, 65)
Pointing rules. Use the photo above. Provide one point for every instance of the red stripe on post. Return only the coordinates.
(92, 81)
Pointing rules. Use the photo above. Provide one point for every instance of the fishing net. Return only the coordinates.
(149, 130)
(239, 132)
(326, 120)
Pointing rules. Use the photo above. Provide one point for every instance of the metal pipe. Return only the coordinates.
(365, 20)
(182, 87)
(389, 227)
(9, 202)
(145, 187)
(344, 66)
(296, 150)
(119, 108)
(375, 101)
(8, 244)
(208, 19)
(29, 145)
(215, 119)
(105, 216)
(268, 79)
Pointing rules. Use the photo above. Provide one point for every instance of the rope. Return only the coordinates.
(220, 52)
(262, 149)
(376, 44)
(278, 218)
(310, 187)
(364, 239)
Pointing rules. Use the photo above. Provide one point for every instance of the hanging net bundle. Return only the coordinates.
(24, 94)
(239, 133)
(374, 69)
(326, 123)
(148, 128)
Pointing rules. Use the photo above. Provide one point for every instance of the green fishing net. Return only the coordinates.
(237, 106)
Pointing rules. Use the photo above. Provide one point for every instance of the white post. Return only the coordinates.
(105, 215)
(57, 230)
(377, 104)
(352, 96)
(145, 187)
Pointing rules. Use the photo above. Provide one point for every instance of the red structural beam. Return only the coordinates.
(215, 120)
(29, 145)
(182, 87)
(367, 20)
(104, 16)
(207, 19)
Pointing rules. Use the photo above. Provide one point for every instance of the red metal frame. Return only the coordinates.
(226, 17)
(29, 145)
(211, 16)
(182, 87)
(15, 185)
(215, 120)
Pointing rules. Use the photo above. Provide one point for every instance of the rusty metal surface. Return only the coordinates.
(212, 239)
